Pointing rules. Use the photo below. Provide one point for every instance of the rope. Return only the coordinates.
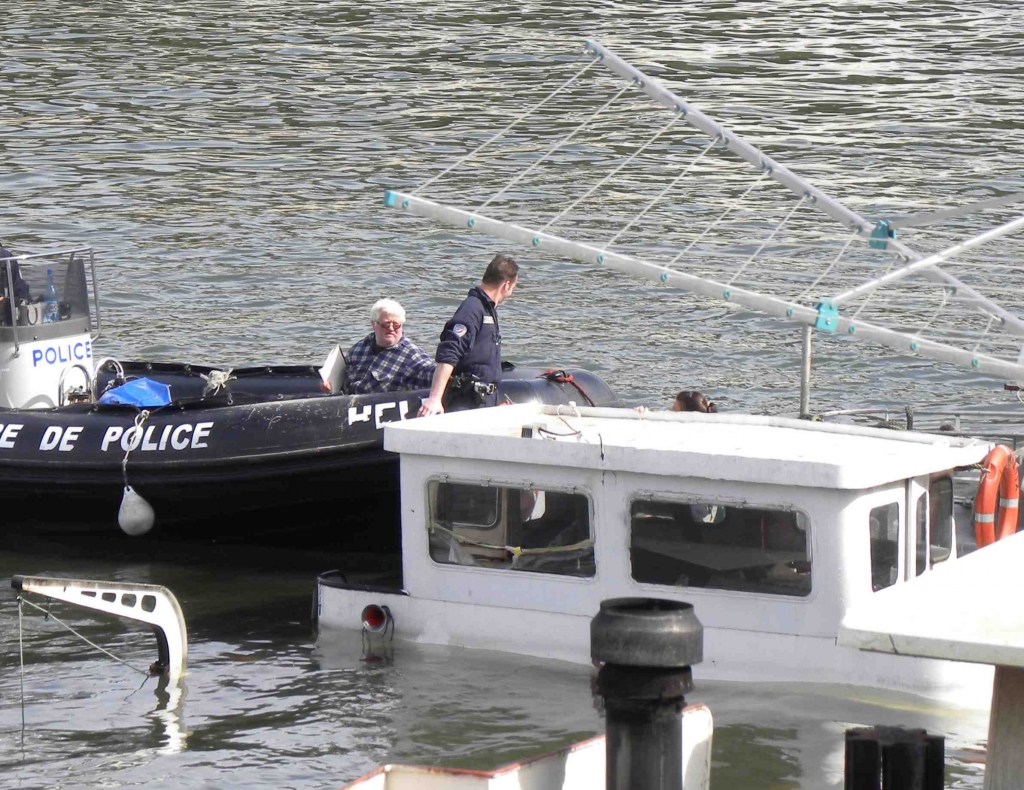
(84, 639)
(765, 242)
(522, 117)
(21, 655)
(722, 216)
(562, 377)
(831, 266)
(554, 148)
(216, 380)
(871, 295)
(611, 175)
(934, 315)
(663, 192)
(515, 551)
(988, 326)
(140, 420)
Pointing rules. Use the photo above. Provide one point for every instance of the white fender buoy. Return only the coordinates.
(136, 515)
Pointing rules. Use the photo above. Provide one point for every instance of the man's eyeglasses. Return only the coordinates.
(388, 324)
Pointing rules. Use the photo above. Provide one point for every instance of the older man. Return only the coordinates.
(384, 361)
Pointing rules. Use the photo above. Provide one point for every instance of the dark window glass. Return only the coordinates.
(940, 519)
(510, 528)
(724, 547)
(884, 527)
(466, 504)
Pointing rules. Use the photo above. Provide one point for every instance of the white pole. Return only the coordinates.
(780, 308)
(790, 180)
(805, 372)
(931, 260)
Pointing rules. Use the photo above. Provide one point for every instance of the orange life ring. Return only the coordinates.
(999, 484)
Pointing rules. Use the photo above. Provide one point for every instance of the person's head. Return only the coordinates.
(691, 400)
(500, 278)
(387, 317)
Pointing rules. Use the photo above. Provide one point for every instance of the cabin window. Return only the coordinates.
(724, 547)
(940, 519)
(523, 529)
(884, 527)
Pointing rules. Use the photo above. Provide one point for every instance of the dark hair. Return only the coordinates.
(501, 269)
(691, 400)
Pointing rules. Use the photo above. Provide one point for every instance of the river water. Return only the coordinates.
(227, 162)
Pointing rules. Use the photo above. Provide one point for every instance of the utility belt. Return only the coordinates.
(468, 387)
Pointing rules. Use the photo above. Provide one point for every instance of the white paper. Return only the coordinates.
(333, 370)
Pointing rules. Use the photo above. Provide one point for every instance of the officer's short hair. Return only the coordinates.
(388, 307)
(501, 269)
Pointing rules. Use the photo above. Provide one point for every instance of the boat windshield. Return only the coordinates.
(28, 278)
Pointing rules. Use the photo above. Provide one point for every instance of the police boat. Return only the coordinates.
(171, 450)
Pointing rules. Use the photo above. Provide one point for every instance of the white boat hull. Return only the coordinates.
(729, 654)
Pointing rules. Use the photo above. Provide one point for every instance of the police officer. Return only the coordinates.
(469, 354)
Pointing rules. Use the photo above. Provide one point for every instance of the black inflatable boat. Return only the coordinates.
(268, 456)
(251, 455)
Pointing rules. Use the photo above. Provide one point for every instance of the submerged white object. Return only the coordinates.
(579, 767)
(135, 516)
(144, 603)
(968, 612)
(817, 518)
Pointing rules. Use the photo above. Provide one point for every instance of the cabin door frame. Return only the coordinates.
(915, 527)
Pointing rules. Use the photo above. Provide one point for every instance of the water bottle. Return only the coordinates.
(51, 310)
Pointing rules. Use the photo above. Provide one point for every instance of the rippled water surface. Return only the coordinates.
(227, 162)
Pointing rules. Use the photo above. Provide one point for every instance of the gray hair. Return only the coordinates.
(389, 307)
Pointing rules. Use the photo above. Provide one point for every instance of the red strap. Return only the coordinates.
(561, 377)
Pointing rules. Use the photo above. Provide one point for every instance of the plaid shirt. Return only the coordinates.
(372, 369)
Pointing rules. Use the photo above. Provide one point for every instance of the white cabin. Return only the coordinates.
(518, 521)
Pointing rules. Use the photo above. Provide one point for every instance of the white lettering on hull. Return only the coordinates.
(377, 410)
(146, 439)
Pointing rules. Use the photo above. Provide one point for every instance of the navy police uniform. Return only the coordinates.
(471, 342)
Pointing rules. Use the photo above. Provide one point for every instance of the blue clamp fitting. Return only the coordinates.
(536, 241)
(470, 222)
(390, 198)
(881, 234)
(828, 315)
(600, 257)
(664, 277)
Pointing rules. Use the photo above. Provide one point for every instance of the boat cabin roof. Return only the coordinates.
(740, 448)
(976, 593)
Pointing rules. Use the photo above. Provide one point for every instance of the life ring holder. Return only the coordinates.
(998, 491)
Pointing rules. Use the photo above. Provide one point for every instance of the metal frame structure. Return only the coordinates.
(825, 314)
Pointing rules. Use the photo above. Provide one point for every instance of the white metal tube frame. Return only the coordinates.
(787, 178)
(629, 264)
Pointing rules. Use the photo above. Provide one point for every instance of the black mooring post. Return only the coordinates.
(894, 758)
(645, 648)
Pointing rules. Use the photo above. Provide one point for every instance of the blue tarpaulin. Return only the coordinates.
(139, 392)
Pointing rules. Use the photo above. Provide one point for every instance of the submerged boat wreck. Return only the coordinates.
(246, 455)
(516, 524)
